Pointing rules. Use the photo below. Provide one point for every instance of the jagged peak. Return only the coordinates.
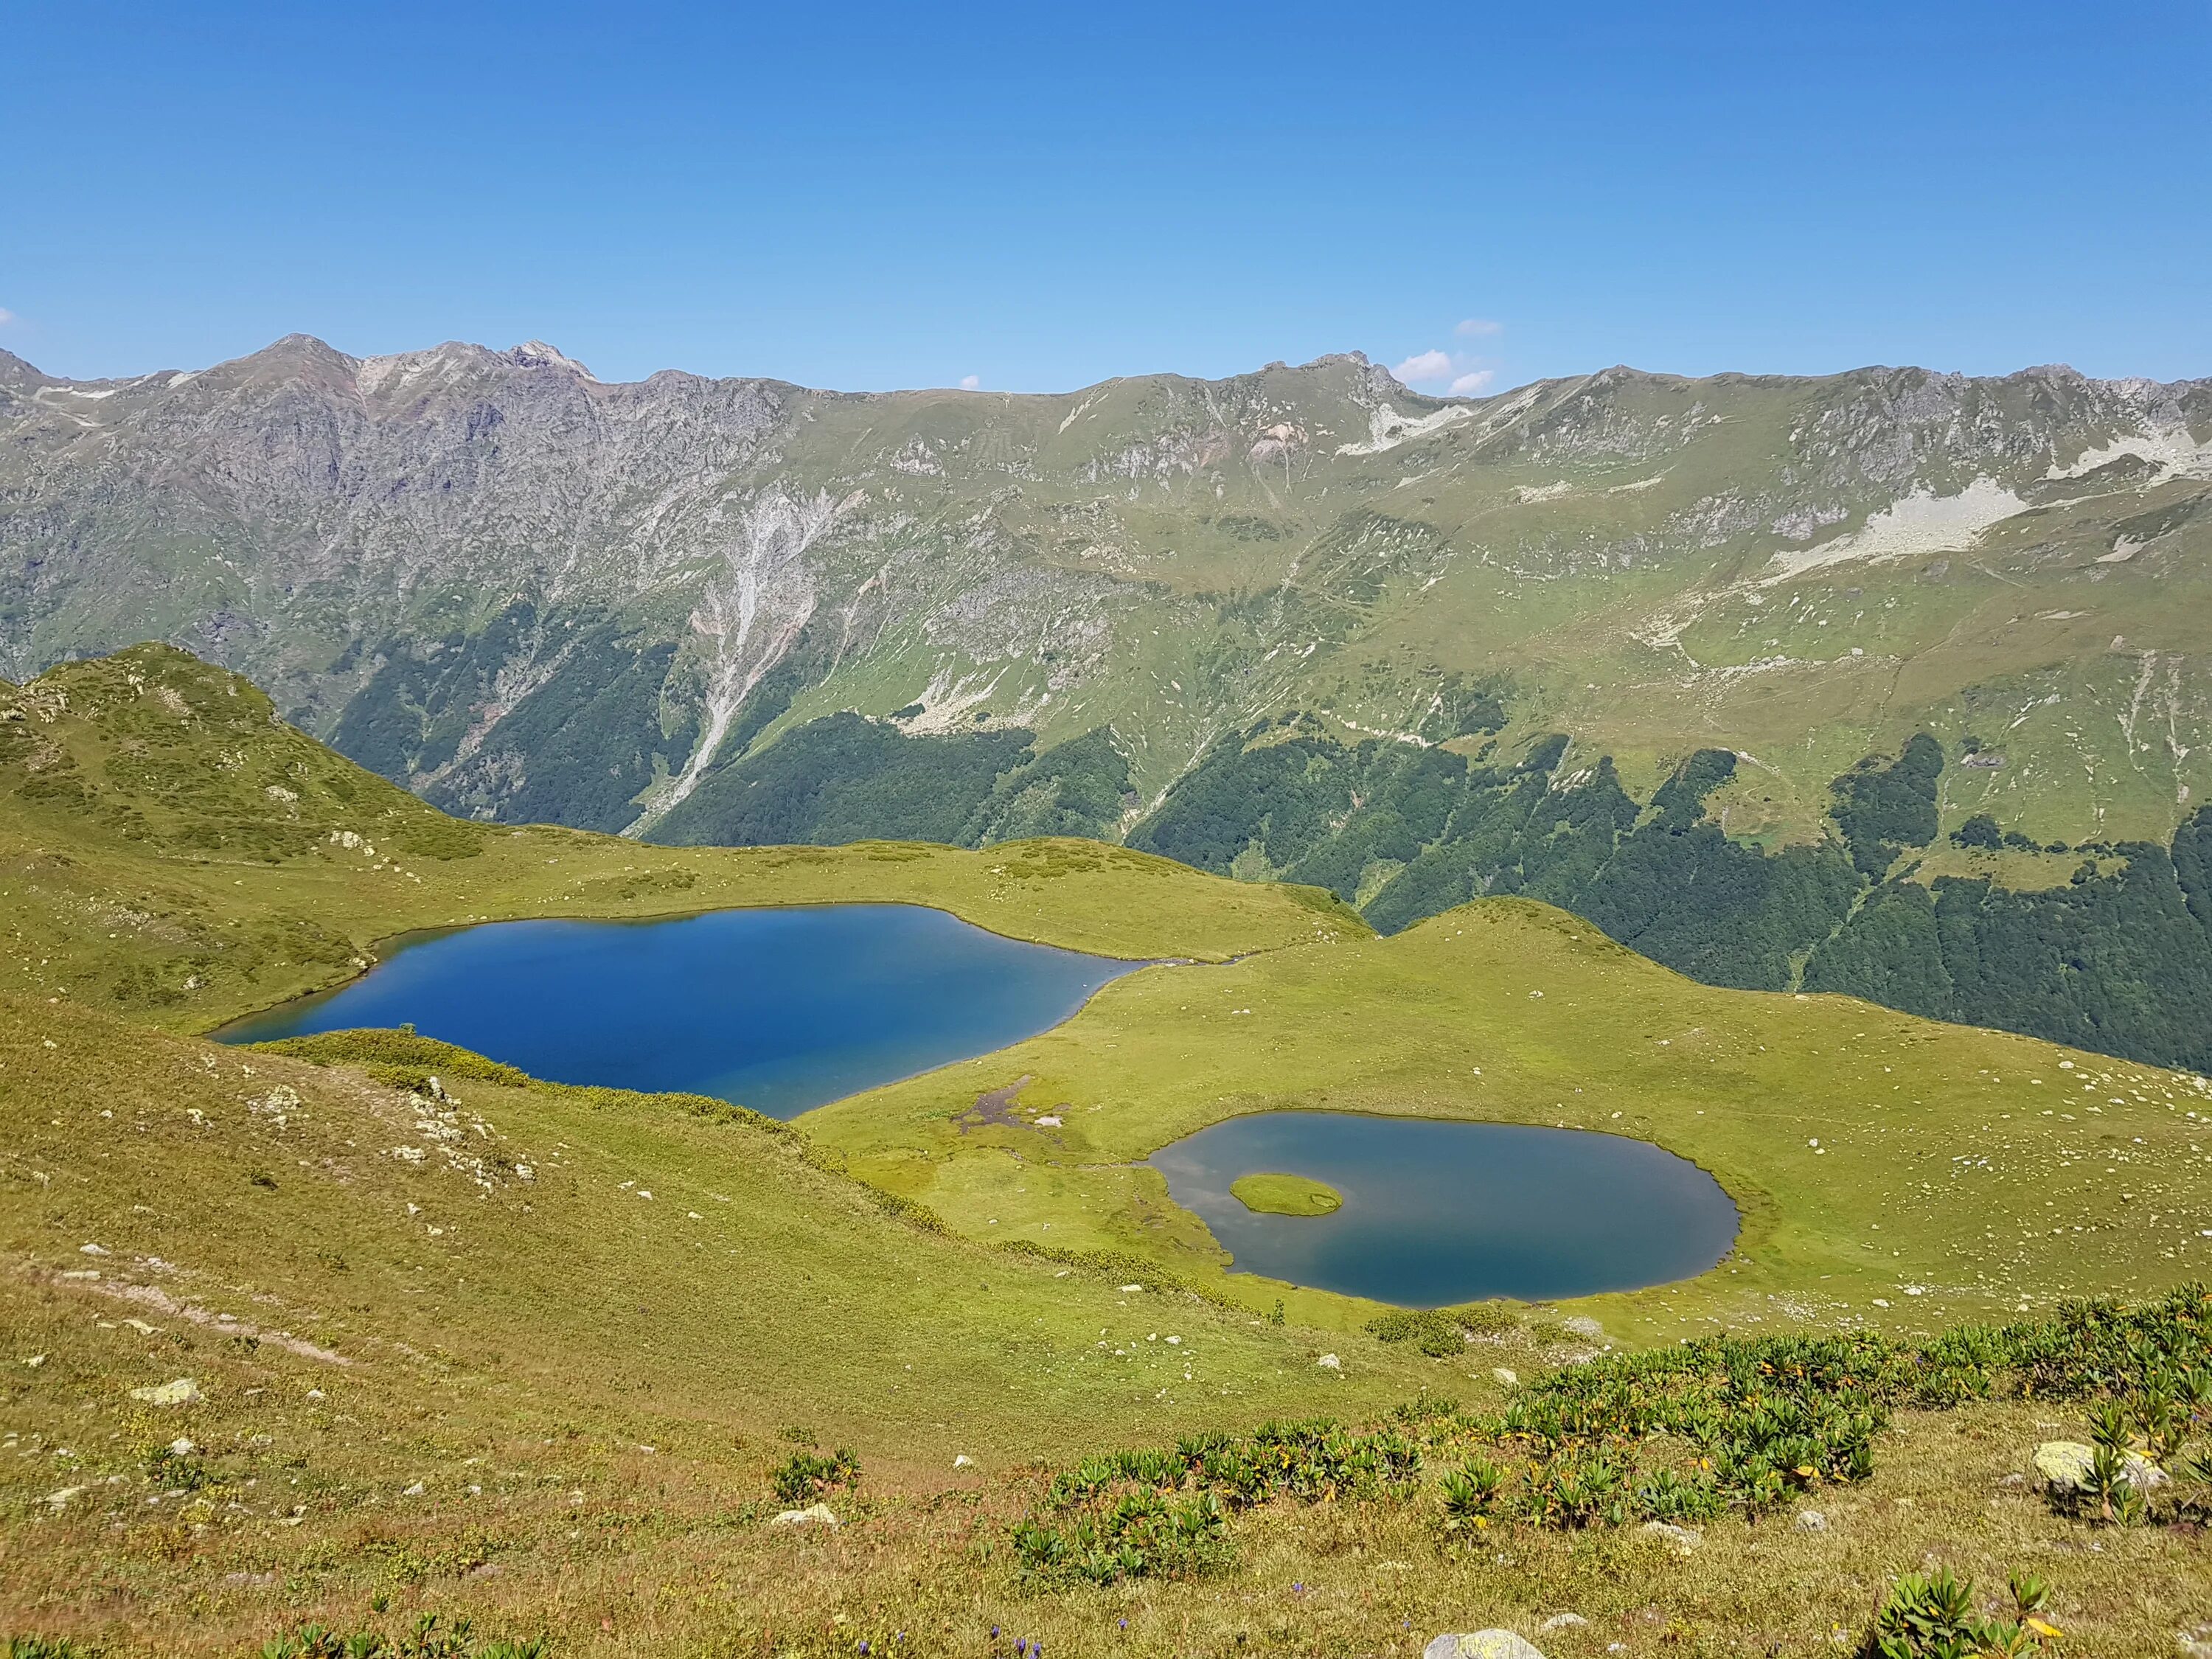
(536, 354)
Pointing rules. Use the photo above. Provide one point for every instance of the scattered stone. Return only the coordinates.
(1481, 1644)
(2194, 1643)
(2064, 1466)
(92, 1249)
(1811, 1521)
(1127, 1290)
(1680, 1539)
(812, 1515)
(1564, 1621)
(60, 1499)
(182, 1392)
(1584, 1326)
(1506, 1376)
(252, 1580)
(963, 1461)
(414, 1491)
(1330, 1361)
(180, 1447)
(35, 1361)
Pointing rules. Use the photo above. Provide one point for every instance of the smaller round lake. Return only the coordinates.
(780, 1009)
(1437, 1212)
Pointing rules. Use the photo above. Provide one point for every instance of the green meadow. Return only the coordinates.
(553, 1360)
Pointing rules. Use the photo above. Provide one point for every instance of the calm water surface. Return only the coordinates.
(780, 1009)
(1435, 1213)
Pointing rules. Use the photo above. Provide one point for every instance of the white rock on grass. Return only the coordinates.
(1330, 1361)
(182, 1392)
(962, 1460)
(2194, 1643)
(2064, 1466)
(1680, 1539)
(1811, 1521)
(1506, 1376)
(60, 1499)
(1481, 1644)
(1564, 1621)
(812, 1515)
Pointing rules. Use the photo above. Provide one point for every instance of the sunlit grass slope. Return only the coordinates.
(560, 1297)
(428, 1385)
(527, 1354)
(170, 849)
(1892, 1171)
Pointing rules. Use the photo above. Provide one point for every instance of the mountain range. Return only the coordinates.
(1890, 682)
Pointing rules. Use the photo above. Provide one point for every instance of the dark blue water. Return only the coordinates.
(1437, 1214)
(778, 1010)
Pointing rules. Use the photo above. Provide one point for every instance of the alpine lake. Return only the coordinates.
(783, 1010)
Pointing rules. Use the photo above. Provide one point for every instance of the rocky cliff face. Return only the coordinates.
(527, 593)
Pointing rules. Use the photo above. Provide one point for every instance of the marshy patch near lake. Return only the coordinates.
(1436, 1212)
(778, 1009)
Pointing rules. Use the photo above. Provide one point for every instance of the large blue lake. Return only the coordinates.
(1442, 1212)
(780, 1009)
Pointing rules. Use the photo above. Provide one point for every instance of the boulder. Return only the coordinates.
(1811, 1521)
(814, 1514)
(1681, 1539)
(2064, 1466)
(1481, 1644)
(182, 1392)
(1330, 1361)
(1506, 1377)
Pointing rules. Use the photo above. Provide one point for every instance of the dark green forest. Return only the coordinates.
(2119, 960)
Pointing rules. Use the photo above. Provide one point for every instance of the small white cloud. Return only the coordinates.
(1479, 328)
(1466, 385)
(6, 316)
(1422, 366)
(971, 382)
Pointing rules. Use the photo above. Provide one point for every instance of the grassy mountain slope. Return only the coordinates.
(531, 593)
(452, 1359)
(168, 847)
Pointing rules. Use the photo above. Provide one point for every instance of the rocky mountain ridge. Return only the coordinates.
(528, 593)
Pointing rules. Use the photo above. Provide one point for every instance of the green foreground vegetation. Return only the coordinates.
(1285, 1194)
(358, 1331)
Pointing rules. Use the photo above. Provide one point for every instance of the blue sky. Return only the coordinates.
(1042, 196)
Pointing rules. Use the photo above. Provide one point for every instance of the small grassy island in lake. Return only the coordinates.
(1285, 1194)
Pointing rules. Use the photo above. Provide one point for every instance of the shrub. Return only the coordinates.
(1138, 1535)
(804, 1476)
(1931, 1616)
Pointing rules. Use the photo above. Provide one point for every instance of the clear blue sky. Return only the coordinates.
(1041, 195)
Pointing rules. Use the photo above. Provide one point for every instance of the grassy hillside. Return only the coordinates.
(169, 847)
(543, 1357)
(554, 1407)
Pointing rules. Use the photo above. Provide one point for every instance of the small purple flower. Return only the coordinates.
(1123, 1623)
